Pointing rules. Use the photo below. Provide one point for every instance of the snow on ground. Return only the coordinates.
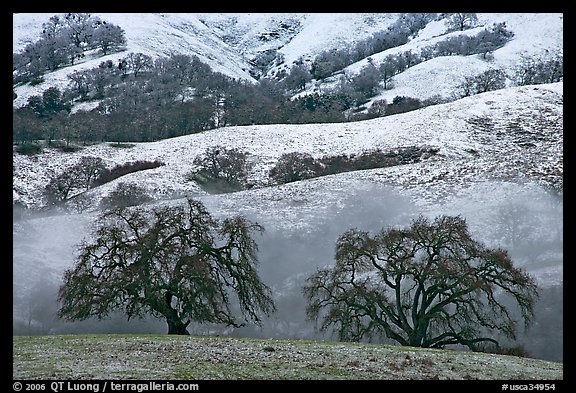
(445, 126)
(59, 78)
(332, 31)
(152, 34)
(228, 41)
(438, 77)
(414, 45)
(251, 33)
(217, 358)
(26, 28)
(534, 35)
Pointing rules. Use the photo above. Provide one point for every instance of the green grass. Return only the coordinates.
(206, 358)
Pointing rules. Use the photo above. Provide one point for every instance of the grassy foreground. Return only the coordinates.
(166, 357)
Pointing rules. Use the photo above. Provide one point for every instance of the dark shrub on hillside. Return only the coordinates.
(221, 170)
(29, 149)
(372, 159)
(295, 166)
(120, 170)
(375, 158)
(124, 195)
(299, 166)
(335, 164)
(401, 104)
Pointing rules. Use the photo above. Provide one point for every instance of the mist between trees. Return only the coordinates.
(528, 225)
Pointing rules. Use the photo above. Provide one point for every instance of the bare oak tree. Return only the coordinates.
(71, 182)
(429, 285)
(173, 262)
(461, 21)
(221, 170)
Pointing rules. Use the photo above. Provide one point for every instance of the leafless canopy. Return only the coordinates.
(429, 285)
(173, 262)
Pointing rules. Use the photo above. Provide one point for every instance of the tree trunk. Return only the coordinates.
(177, 327)
(416, 339)
(175, 324)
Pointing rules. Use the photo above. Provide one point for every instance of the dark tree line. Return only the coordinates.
(141, 100)
(354, 91)
(486, 41)
(330, 61)
(297, 166)
(220, 169)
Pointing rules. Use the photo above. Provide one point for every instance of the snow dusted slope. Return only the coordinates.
(152, 34)
(223, 39)
(227, 42)
(534, 35)
(509, 133)
(322, 32)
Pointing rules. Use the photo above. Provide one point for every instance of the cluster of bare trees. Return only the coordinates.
(65, 39)
(330, 61)
(428, 285)
(535, 70)
(90, 172)
(485, 42)
(80, 177)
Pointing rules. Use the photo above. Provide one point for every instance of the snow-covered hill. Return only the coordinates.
(524, 126)
(228, 42)
(494, 148)
(534, 35)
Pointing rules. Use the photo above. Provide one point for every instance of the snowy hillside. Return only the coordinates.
(493, 148)
(449, 127)
(534, 35)
(228, 42)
